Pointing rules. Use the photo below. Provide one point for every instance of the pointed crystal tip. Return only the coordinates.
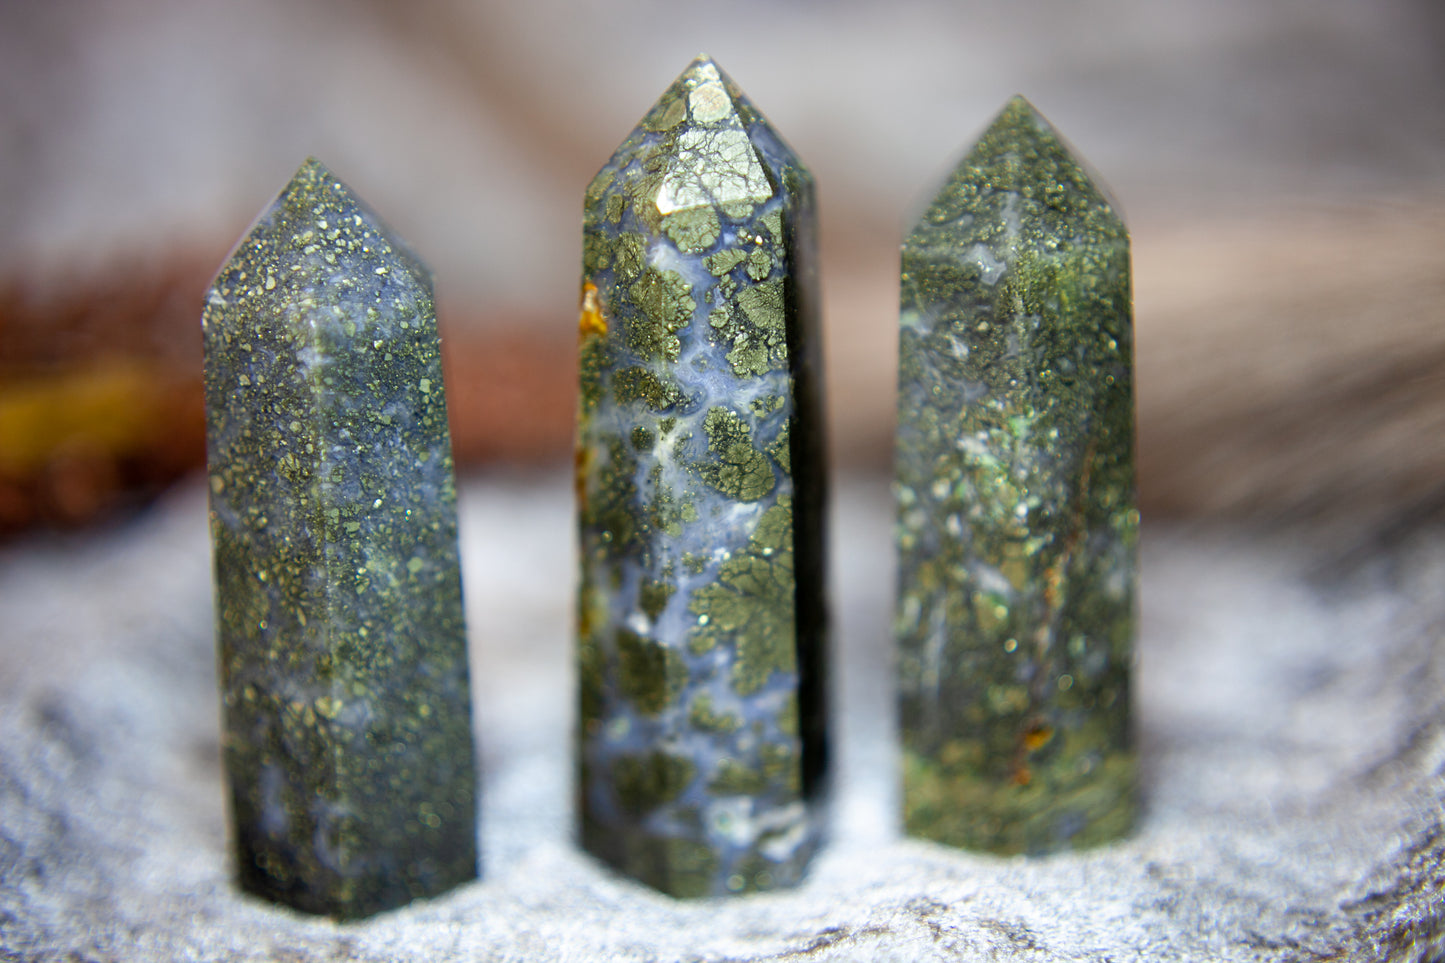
(1022, 151)
(709, 158)
(309, 182)
(1020, 106)
(701, 96)
(309, 176)
(1021, 119)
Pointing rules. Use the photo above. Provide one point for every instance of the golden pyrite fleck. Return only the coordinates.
(1017, 520)
(700, 489)
(343, 661)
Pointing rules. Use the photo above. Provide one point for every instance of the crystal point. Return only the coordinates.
(1017, 521)
(343, 659)
(699, 476)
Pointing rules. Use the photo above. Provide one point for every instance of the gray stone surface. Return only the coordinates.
(1292, 750)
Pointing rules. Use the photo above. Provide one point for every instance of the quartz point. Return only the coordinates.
(701, 625)
(1017, 520)
(343, 659)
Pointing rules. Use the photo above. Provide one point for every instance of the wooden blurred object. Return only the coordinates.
(511, 391)
(1294, 364)
(100, 391)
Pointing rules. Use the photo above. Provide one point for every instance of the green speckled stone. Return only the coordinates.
(700, 488)
(343, 660)
(1017, 516)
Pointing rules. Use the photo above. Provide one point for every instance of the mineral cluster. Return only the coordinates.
(700, 490)
(1017, 521)
(343, 662)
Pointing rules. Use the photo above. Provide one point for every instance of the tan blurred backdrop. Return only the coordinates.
(1282, 167)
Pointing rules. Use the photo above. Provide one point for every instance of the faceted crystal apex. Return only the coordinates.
(1022, 135)
(701, 96)
(1021, 153)
(708, 156)
(310, 214)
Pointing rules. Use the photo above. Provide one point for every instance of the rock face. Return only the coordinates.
(338, 596)
(1017, 519)
(699, 478)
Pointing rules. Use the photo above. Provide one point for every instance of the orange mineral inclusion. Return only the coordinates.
(590, 321)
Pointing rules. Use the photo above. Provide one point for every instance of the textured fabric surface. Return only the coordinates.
(1289, 710)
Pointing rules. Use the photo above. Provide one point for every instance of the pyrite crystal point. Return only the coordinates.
(343, 660)
(700, 489)
(1017, 517)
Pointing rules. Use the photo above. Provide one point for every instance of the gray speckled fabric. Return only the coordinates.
(1292, 750)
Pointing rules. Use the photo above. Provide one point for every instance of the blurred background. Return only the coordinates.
(1281, 165)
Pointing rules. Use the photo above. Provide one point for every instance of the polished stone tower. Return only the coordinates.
(343, 659)
(1017, 517)
(700, 492)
